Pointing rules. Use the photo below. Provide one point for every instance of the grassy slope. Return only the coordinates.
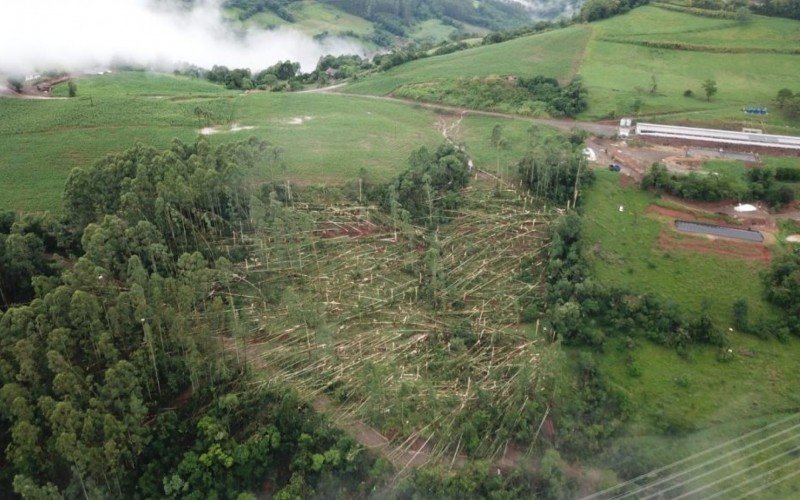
(142, 83)
(311, 18)
(720, 400)
(342, 136)
(617, 74)
(431, 30)
(554, 53)
(654, 24)
(314, 18)
(42, 140)
(624, 252)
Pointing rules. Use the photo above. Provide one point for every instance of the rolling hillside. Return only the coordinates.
(620, 60)
(475, 332)
(383, 23)
(556, 54)
(323, 138)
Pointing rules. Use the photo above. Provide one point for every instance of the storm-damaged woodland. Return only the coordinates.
(176, 316)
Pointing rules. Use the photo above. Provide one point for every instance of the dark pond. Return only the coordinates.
(725, 232)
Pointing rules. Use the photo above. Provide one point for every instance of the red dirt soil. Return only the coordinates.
(626, 180)
(671, 240)
(680, 214)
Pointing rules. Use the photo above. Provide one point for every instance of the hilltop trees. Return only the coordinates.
(25, 247)
(594, 10)
(239, 78)
(111, 339)
(757, 184)
(184, 194)
(778, 8)
(16, 84)
(567, 101)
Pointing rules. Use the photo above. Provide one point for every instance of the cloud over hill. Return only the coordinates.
(79, 34)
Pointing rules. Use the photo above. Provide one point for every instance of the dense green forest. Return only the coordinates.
(114, 378)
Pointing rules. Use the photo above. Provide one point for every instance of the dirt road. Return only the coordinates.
(597, 129)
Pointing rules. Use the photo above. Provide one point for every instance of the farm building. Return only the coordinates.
(718, 136)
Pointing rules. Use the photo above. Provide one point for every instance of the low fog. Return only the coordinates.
(549, 9)
(85, 34)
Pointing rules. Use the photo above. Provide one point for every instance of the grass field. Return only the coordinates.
(684, 403)
(670, 392)
(312, 18)
(143, 83)
(619, 74)
(619, 70)
(624, 251)
(555, 54)
(431, 30)
(660, 25)
(324, 138)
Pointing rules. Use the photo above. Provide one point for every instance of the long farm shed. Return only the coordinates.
(718, 136)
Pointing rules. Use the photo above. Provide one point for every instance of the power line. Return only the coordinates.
(751, 479)
(689, 458)
(709, 462)
(738, 473)
(768, 485)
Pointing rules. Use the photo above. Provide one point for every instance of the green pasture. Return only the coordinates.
(323, 138)
(310, 17)
(618, 75)
(622, 248)
(683, 403)
(432, 30)
(142, 83)
(555, 54)
(315, 17)
(659, 25)
(621, 73)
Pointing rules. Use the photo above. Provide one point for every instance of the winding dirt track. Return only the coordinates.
(594, 128)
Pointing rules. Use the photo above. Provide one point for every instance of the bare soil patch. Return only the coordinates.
(673, 213)
(672, 240)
